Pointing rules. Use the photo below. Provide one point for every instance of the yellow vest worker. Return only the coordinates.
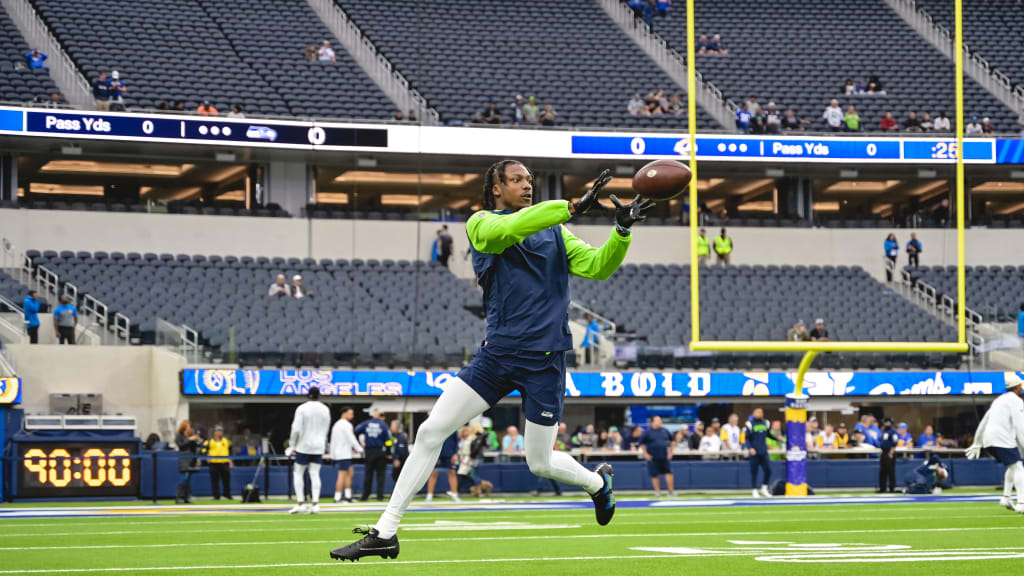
(220, 447)
(723, 244)
(702, 246)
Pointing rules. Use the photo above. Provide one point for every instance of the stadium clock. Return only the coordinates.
(77, 469)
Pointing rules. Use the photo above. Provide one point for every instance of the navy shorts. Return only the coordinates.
(307, 459)
(445, 464)
(343, 465)
(1005, 456)
(659, 466)
(496, 372)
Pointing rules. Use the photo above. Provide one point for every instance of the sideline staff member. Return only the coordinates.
(375, 435)
(220, 468)
(723, 248)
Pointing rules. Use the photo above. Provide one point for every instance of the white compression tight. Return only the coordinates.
(456, 406)
(1014, 478)
(299, 478)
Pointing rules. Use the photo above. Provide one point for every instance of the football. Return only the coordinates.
(661, 180)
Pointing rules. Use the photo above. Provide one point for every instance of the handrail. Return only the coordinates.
(71, 291)
(122, 327)
(47, 278)
(62, 68)
(94, 307)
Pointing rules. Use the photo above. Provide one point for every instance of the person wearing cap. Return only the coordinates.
(819, 333)
(326, 53)
(887, 442)
(772, 119)
(517, 109)
(375, 435)
(279, 287)
(307, 443)
(903, 437)
(207, 109)
(986, 126)
(117, 89)
(798, 333)
(297, 290)
(531, 111)
(1001, 434)
(842, 436)
(973, 128)
(218, 448)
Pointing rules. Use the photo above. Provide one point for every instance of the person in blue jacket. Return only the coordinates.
(892, 250)
(30, 307)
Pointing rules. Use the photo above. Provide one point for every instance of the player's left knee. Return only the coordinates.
(540, 464)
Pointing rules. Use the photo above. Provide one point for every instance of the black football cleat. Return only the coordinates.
(370, 545)
(604, 499)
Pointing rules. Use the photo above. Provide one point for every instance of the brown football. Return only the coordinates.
(661, 180)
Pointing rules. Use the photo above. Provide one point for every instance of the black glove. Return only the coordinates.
(589, 200)
(628, 214)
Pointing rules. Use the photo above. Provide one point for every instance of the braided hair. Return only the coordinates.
(496, 173)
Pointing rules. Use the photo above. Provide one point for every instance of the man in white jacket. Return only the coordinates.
(1001, 434)
(307, 443)
(343, 443)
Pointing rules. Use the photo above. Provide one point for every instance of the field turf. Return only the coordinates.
(544, 536)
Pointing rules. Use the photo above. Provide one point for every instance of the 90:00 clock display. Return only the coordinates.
(57, 469)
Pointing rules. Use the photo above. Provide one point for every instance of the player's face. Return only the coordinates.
(516, 191)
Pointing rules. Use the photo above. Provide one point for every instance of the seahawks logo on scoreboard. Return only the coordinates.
(10, 390)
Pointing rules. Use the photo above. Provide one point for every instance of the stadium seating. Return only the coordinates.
(17, 82)
(14, 291)
(569, 53)
(366, 313)
(799, 54)
(232, 53)
(760, 303)
(991, 29)
(995, 292)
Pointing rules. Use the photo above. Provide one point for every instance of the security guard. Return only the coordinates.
(220, 468)
(723, 247)
(703, 249)
(887, 441)
(376, 437)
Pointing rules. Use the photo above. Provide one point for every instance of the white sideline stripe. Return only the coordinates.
(378, 564)
(468, 528)
(512, 538)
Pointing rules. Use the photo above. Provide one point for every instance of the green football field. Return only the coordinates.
(669, 536)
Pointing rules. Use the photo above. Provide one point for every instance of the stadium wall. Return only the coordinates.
(69, 230)
(140, 381)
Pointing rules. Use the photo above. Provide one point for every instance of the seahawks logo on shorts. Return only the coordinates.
(547, 414)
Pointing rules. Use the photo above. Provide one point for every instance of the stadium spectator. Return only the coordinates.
(927, 124)
(703, 250)
(400, 447)
(731, 434)
(297, 290)
(819, 333)
(757, 122)
(886, 462)
(716, 425)
(326, 53)
(471, 455)
(491, 114)
(682, 437)
(941, 123)
(374, 434)
(875, 85)
(986, 126)
(512, 443)
(492, 436)
(903, 436)
(310, 54)
(65, 319)
(941, 441)
(531, 111)
(411, 116)
(207, 109)
(888, 123)
(236, 111)
(563, 441)
(891, 248)
(117, 90)
(444, 245)
(772, 119)
(723, 248)
(652, 104)
(927, 438)
(55, 101)
(851, 120)
(636, 106)
(585, 439)
(591, 339)
(911, 123)
(188, 443)
(449, 462)
(758, 432)
(101, 92)
(860, 87)
(828, 439)
(715, 46)
(914, 249)
(842, 436)
(36, 59)
(790, 121)
(798, 333)
(973, 128)
(247, 443)
(614, 443)
(602, 439)
(162, 106)
(278, 288)
(869, 428)
(698, 435)
(833, 116)
(179, 105)
(811, 433)
(30, 308)
(753, 106)
(702, 44)
(710, 444)
(675, 104)
(218, 448)
(664, 8)
(743, 118)
(657, 446)
(849, 88)
(549, 115)
(633, 442)
(517, 110)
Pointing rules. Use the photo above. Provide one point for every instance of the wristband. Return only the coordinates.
(622, 230)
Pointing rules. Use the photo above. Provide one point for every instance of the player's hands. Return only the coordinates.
(973, 452)
(628, 214)
(753, 452)
(648, 457)
(589, 200)
(289, 451)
